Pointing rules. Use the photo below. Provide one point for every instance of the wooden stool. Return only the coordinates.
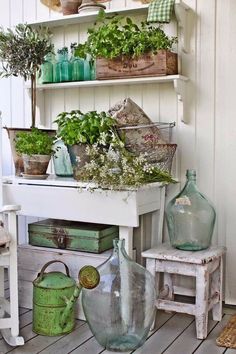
(206, 266)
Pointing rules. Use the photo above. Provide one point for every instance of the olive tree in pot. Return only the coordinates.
(36, 148)
(79, 130)
(22, 51)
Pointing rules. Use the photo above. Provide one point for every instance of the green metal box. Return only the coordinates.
(72, 235)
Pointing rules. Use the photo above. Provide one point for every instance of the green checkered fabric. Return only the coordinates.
(160, 11)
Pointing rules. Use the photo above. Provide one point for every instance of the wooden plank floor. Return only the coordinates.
(174, 334)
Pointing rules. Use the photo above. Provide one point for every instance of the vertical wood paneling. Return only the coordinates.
(226, 139)
(5, 98)
(205, 108)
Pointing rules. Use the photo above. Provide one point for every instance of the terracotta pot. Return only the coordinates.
(35, 164)
(17, 158)
(70, 7)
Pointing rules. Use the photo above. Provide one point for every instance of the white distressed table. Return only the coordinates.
(207, 268)
(67, 199)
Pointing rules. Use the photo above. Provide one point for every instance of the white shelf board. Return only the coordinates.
(91, 16)
(87, 17)
(102, 83)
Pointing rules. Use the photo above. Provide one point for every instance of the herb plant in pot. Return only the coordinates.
(79, 130)
(22, 51)
(124, 49)
(36, 148)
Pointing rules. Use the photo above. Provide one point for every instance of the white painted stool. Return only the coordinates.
(206, 266)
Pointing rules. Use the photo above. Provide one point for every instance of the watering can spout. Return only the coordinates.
(89, 279)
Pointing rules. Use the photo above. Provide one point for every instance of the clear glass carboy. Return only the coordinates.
(190, 217)
(120, 310)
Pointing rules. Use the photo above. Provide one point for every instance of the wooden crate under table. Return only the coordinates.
(80, 236)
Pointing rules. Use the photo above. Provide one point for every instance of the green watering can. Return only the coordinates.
(54, 297)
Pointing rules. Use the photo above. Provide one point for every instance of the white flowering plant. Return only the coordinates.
(118, 169)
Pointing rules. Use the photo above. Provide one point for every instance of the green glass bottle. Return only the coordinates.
(87, 68)
(66, 67)
(47, 70)
(190, 217)
(77, 66)
(57, 67)
(63, 67)
(61, 160)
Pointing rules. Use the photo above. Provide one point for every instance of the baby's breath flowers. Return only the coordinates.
(118, 169)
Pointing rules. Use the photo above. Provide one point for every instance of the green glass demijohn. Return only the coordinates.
(190, 217)
(120, 310)
(61, 160)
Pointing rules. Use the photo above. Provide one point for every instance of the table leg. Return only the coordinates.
(157, 225)
(126, 233)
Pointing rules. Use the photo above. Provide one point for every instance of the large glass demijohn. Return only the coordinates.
(190, 217)
(120, 310)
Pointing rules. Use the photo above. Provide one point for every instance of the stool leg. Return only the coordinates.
(202, 295)
(2, 291)
(151, 267)
(216, 287)
(168, 285)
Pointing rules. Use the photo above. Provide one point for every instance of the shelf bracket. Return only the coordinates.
(180, 89)
(181, 12)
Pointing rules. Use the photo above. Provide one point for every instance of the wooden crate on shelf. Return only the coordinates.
(162, 63)
(32, 258)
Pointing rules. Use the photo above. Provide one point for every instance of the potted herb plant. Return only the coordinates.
(36, 148)
(22, 51)
(79, 130)
(124, 49)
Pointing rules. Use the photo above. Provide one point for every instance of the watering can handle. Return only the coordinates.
(40, 276)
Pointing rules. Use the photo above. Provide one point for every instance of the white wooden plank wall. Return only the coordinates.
(207, 143)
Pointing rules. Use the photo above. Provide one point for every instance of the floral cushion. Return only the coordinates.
(140, 133)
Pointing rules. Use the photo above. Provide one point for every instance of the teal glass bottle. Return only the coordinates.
(92, 70)
(61, 160)
(77, 67)
(120, 310)
(47, 70)
(87, 68)
(66, 67)
(190, 217)
(57, 67)
(63, 67)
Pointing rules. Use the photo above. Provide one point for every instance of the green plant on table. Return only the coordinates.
(118, 169)
(76, 127)
(35, 142)
(116, 36)
(22, 52)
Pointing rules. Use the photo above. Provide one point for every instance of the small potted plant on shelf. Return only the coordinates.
(78, 130)
(124, 49)
(36, 148)
(22, 51)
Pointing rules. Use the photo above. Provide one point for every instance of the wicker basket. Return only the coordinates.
(153, 140)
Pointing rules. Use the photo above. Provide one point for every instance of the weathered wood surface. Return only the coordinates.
(174, 334)
(166, 252)
(162, 63)
(207, 268)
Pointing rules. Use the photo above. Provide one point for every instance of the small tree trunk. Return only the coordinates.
(33, 100)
